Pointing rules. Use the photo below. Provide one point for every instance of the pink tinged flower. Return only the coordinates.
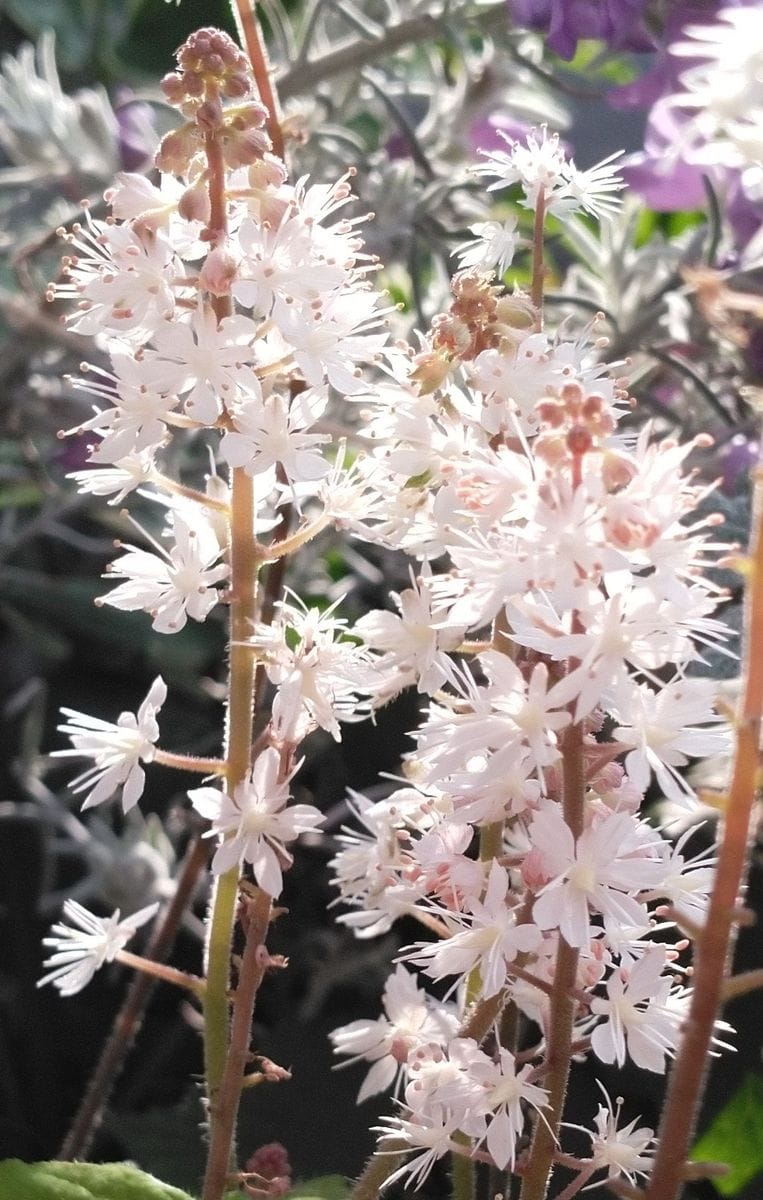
(255, 823)
(81, 948)
(123, 278)
(210, 364)
(273, 432)
(411, 1019)
(415, 643)
(640, 1022)
(117, 750)
(601, 872)
(139, 411)
(174, 586)
(486, 936)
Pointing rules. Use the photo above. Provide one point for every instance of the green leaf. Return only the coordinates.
(81, 1181)
(325, 1187)
(736, 1138)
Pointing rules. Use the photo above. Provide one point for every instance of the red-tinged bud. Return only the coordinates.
(270, 1161)
(551, 413)
(219, 271)
(237, 86)
(194, 204)
(173, 88)
(616, 471)
(209, 115)
(243, 149)
(579, 441)
(176, 150)
(270, 172)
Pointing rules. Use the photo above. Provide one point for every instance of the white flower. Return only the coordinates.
(662, 728)
(117, 750)
(507, 1088)
(137, 418)
(487, 936)
(603, 870)
(209, 362)
(274, 432)
(415, 643)
(411, 1019)
(80, 951)
(493, 247)
(627, 1151)
(540, 166)
(725, 87)
(640, 1021)
(116, 481)
(318, 672)
(258, 821)
(175, 587)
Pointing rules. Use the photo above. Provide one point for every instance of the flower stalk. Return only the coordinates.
(715, 946)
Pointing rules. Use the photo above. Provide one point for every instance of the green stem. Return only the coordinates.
(253, 965)
(237, 756)
(463, 1172)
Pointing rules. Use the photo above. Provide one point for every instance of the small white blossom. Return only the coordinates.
(411, 1019)
(541, 167)
(640, 1021)
(255, 823)
(85, 945)
(493, 248)
(627, 1151)
(173, 587)
(117, 750)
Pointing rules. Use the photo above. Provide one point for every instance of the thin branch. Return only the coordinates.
(89, 1116)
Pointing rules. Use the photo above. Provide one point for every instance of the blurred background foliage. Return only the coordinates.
(404, 92)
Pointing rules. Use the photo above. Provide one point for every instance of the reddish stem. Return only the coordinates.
(715, 945)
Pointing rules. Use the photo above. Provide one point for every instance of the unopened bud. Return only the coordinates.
(219, 271)
(194, 204)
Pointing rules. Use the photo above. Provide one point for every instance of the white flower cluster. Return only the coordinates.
(557, 639)
(230, 307)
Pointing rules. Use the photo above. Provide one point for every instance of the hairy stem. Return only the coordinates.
(251, 39)
(715, 944)
(563, 1003)
(251, 971)
(240, 715)
(238, 754)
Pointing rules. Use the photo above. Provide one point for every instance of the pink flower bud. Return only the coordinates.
(218, 272)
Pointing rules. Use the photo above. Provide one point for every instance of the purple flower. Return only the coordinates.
(483, 134)
(137, 137)
(666, 180)
(664, 75)
(616, 22)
